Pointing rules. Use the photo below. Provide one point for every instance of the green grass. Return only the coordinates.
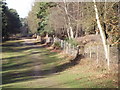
(28, 67)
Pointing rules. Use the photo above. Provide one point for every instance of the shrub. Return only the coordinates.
(72, 42)
(57, 44)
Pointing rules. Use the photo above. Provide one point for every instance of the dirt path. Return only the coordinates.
(28, 64)
(27, 60)
(36, 59)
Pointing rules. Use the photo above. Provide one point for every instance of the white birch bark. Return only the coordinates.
(102, 33)
(77, 23)
(67, 28)
(69, 24)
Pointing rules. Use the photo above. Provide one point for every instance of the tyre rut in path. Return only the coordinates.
(35, 58)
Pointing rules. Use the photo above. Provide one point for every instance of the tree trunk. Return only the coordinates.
(68, 33)
(69, 24)
(77, 22)
(102, 33)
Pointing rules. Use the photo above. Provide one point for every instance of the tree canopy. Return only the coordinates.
(75, 18)
(10, 20)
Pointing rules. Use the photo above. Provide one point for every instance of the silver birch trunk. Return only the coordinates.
(67, 28)
(69, 24)
(77, 23)
(102, 33)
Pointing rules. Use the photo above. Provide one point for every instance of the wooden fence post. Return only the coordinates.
(61, 43)
(69, 51)
(64, 46)
(73, 48)
(97, 54)
(90, 51)
(108, 61)
(78, 48)
(67, 47)
(54, 40)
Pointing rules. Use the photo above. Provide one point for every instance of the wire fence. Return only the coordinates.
(91, 50)
(67, 47)
(96, 52)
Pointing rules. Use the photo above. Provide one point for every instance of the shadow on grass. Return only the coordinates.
(20, 47)
(32, 47)
(17, 46)
(15, 66)
(16, 57)
(62, 67)
(30, 75)
(12, 43)
(17, 76)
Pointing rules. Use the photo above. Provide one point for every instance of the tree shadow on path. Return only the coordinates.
(62, 67)
(31, 75)
(16, 76)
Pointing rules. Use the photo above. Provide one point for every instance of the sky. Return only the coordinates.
(22, 6)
